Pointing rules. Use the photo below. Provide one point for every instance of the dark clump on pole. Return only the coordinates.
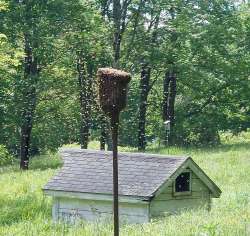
(112, 85)
(112, 89)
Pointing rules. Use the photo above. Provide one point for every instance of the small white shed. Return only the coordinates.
(150, 186)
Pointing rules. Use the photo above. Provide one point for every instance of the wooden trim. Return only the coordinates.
(215, 191)
(91, 196)
(189, 163)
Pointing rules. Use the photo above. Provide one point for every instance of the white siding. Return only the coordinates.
(70, 209)
(167, 203)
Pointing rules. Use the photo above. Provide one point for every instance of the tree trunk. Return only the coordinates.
(102, 139)
(172, 96)
(117, 32)
(105, 137)
(85, 92)
(29, 103)
(144, 90)
(104, 130)
(169, 94)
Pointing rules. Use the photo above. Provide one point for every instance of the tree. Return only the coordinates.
(35, 26)
(87, 42)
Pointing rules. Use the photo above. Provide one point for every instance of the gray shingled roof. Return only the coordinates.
(89, 171)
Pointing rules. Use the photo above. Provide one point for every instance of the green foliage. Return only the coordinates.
(5, 157)
(3, 5)
(207, 42)
(24, 210)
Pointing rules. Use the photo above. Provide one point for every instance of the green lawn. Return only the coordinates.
(25, 211)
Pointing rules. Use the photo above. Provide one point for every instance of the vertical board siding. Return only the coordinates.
(167, 203)
(55, 209)
(71, 210)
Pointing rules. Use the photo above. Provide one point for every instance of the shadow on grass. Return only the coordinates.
(180, 150)
(244, 146)
(42, 162)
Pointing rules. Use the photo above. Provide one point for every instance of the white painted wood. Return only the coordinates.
(71, 210)
(193, 195)
(215, 191)
(55, 209)
(168, 203)
(161, 208)
(197, 187)
(190, 164)
(95, 196)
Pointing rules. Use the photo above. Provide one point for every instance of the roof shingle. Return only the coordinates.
(89, 171)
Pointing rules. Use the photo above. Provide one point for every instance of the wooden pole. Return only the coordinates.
(115, 124)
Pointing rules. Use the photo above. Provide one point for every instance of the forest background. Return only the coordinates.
(189, 60)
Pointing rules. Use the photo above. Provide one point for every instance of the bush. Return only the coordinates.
(5, 157)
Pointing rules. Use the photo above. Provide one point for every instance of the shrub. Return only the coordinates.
(5, 157)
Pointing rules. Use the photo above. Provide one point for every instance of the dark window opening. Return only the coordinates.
(182, 182)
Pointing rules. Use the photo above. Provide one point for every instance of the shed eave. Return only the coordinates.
(96, 196)
(189, 163)
(215, 190)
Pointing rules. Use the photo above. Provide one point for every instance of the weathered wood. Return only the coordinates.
(55, 209)
(193, 195)
(73, 209)
(160, 208)
(166, 202)
(198, 173)
(98, 197)
(197, 186)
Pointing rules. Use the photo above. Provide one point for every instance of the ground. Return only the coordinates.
(24, 210)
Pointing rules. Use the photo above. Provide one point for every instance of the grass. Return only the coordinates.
(25, 211)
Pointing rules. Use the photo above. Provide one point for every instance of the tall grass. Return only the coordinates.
(24, 210)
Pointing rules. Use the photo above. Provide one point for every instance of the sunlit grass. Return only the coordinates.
(24, 210)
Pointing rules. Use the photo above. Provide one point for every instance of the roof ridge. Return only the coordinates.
(131, 154)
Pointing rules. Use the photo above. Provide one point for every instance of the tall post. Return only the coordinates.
(114, 128)
(112, 95)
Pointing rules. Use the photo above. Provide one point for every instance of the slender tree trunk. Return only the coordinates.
(169, 94)
(117, 32)
(165, 105)
(104, 131)
(166, 83)
(102, 139)
(172, 95)
(144, 90)
(85, 92)
(109, 139)
(29, 103)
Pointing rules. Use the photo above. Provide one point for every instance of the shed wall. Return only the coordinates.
(167, 203)
(70, 210)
